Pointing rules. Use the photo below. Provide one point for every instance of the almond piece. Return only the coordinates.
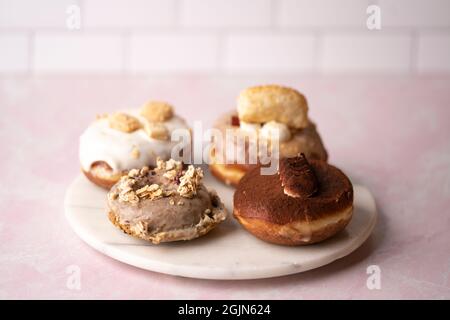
(157, 111)
(135, 153)
(157, 130)
(123, 122)
(101, 116)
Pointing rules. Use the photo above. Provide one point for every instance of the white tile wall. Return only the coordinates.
(77, 53)
(14, 53)
(366, 52)
(415, 13)
(128, 13)
(33, 14)
(173, 53)
(269, 53)
(224, 36)
(322, 13)
(225, 13)
(434, 53)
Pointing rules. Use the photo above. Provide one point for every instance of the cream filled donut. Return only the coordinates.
(119, 142)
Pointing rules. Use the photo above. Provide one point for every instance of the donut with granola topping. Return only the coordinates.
(164, 204)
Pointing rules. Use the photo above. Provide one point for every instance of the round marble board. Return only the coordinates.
(227, 252)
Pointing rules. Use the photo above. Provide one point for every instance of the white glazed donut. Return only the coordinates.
(106, 153)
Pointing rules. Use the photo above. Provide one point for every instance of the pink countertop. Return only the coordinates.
(391, 134)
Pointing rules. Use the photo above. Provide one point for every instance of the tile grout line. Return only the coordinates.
(274, 11)
(126, 49)
(414, 51)
(31, 52)
(318, 52)
(176, 23)
(351, 30)
(221, 54)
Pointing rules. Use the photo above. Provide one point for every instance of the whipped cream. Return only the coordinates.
(251, 127)
(273, 129)
(99, 142)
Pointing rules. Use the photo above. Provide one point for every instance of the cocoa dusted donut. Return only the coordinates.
(303, 203)
(165, 204)
(261, 111)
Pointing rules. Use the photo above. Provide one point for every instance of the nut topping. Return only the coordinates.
(157, 130)
(135, 153)
(123, 122)
(190, 181)
(157, 111)
(168, 179)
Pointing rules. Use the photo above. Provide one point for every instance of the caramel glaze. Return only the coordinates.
(262, 196)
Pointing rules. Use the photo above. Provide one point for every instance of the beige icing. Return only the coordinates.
(99, 142)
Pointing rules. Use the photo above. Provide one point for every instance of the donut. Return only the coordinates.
(101, 174)
(116, 143)
(292, 142)
(230, 174)
(305, 202)
(164, 204)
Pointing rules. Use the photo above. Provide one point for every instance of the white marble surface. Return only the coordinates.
(227, 253)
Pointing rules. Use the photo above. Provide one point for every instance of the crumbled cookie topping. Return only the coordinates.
(100, 116)
(173, 169)
(152, 192)
(145, 170)
(128, 192)
(190, 181)
(170, 169)
(139, 228)
(157, 130)
(133, 173)
(157, 111)
(135, 153)
(173, 165)
(123, 122)
(136, 186)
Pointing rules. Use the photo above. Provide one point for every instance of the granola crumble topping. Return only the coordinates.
(190, 181)
(140, 185)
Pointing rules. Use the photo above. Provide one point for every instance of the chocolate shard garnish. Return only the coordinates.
(297, 177)
(235, 121)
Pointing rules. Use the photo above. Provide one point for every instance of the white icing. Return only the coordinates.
(273, 128)
(99, 142)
